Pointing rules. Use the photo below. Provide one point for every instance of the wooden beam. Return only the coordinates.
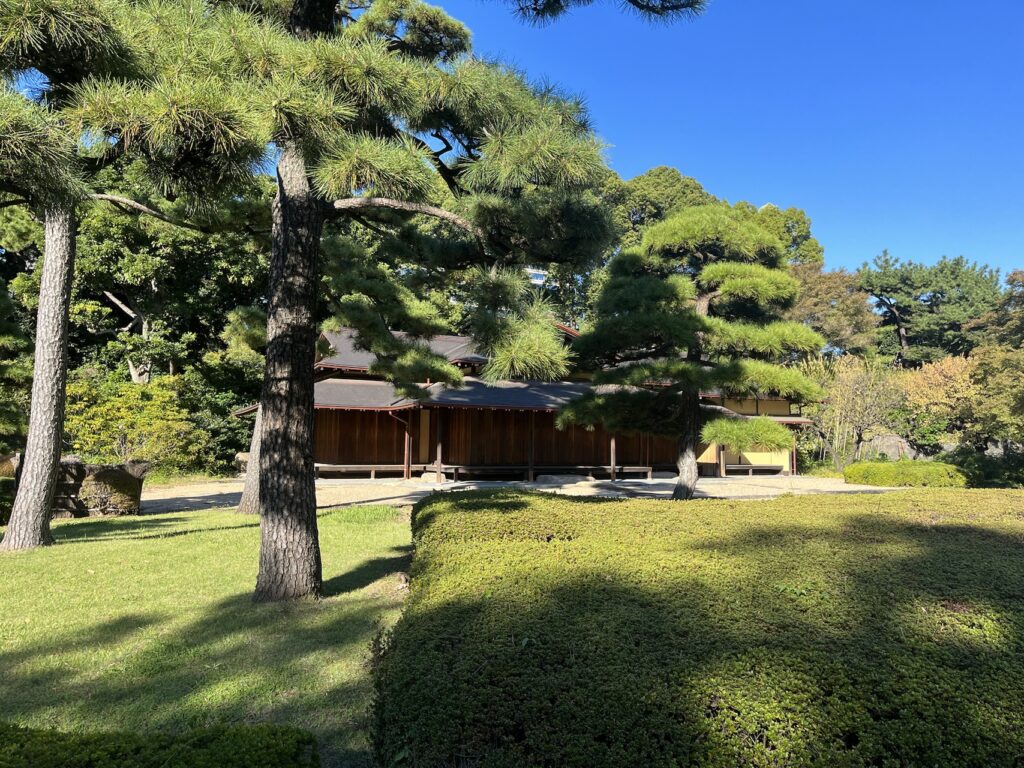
(437, 454)
(612, 447)
(529, 450)
(720, 454)
(407, 469)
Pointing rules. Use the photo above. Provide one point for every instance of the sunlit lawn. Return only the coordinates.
(147, 624)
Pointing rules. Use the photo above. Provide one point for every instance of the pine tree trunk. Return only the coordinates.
(289, 546)
(686, 463)
(29, 525)
(249, 504)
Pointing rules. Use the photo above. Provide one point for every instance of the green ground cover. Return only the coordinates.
(137, 625)
(862, 630)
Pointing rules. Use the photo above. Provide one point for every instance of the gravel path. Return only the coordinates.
(401, 493)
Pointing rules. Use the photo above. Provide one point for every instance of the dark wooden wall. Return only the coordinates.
(358, 437)
(473, 437)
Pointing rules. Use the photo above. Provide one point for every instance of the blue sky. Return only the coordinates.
(894, 124)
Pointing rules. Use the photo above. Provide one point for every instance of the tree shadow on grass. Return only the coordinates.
(876, 642)
(236, 662)
(369, 572)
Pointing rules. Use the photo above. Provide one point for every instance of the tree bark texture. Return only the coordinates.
(249, 504)
(30, 518)
(289, 546)
(689, 438)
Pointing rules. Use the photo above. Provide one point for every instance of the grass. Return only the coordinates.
(854, 630)
(146, 624)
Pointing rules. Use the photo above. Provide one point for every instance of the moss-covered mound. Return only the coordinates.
(861, 630)
(261, 746)
(910, 474)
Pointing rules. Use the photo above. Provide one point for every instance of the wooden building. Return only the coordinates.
(492, 430)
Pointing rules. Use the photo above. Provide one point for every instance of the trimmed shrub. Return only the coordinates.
(854, 630)
(260, 746)
(912, 474)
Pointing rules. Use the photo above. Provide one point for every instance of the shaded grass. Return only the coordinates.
(142, 624)
(853, 630)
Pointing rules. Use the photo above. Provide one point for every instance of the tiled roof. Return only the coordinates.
(345, 354)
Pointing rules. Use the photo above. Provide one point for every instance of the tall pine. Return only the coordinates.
(695, 308)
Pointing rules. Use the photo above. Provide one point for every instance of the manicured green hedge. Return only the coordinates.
(260, 746)
(848, 630)
(913, 474)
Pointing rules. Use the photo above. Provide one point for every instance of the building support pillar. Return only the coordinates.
(611, 447)
(720, 456)
(437, 453)
(529, 451)
(407, 458)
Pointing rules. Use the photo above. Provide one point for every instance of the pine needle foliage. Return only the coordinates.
(757, 434)
(695, 309)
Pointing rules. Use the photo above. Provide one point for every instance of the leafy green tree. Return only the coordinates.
(833, 304)
(861, 400)
(793, 229)
(998, 409)
(150, 296)
(647, 199)
(110, 420)
(1005, 324)
(15, 374)
(695, 308)
(929, 309)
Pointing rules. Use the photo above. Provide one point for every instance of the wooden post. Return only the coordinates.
(437, 454)
(407, 467)
(612, 446)
(721, 460)
(529, 451)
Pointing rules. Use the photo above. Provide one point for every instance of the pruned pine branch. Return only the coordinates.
(341, 207)
(127, 205)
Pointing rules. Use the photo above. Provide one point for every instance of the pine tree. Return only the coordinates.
(929, 308)
(399, 67)
(79, 50)
(694, 309)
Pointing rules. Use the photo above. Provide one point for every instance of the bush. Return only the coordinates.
(913, 474)
(868, 630)
(260, 746)
(6, 498)
(985, 471)
(112, 421)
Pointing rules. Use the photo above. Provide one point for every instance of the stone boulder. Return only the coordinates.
(113, 490)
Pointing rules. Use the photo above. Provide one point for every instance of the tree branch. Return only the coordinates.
(449, 175)
(340, 207)
(128, 205)
(10, 203)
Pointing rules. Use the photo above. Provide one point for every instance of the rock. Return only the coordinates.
(431, 477)
(9, 465)
(112, 490)
(242, 461)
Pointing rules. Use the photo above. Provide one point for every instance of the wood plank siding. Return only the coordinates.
(478, 438)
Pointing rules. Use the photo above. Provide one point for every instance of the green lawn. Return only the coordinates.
(861, 630)
(147, 624)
